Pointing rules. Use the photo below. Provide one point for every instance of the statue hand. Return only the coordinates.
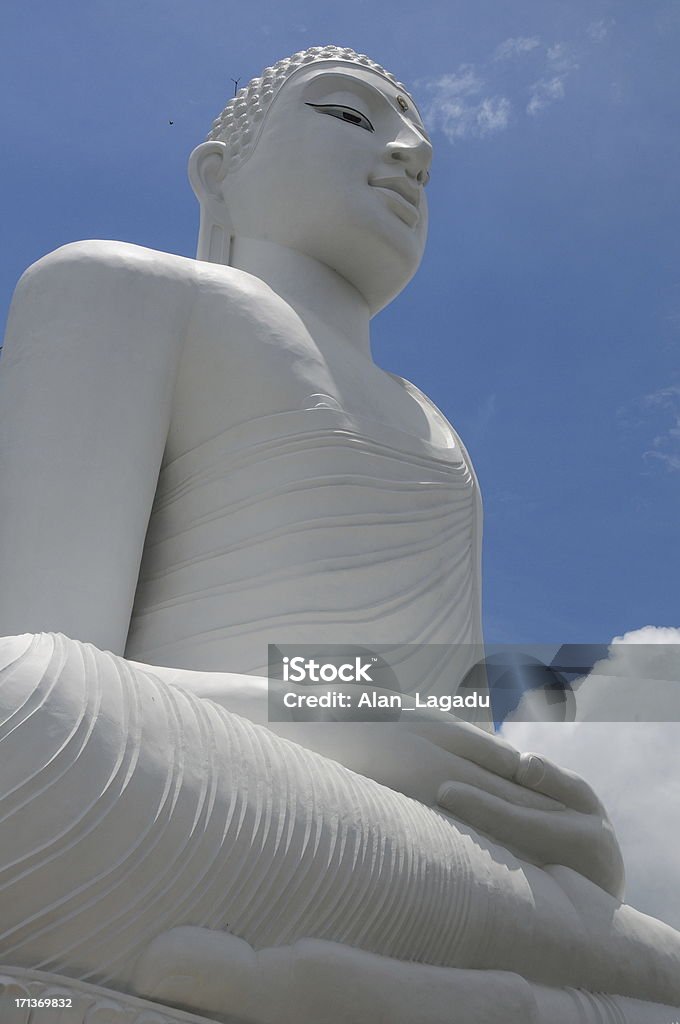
(543, 813)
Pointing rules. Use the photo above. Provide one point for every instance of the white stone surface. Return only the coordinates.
(198, 459)
(313, 982)
(35, 997)
(133, 807)
(317, 982)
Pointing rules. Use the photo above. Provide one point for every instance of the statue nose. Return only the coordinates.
(415, 152)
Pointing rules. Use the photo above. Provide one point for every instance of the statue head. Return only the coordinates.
(324, 153)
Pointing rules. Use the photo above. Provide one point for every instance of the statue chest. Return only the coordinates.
(228, 381)
(304, 496)
(307, 526)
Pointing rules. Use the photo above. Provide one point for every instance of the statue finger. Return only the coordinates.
(542, 836)
(469, 741)
(539, 774)
(462, 770)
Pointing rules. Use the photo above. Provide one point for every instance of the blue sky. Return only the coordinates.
(545, 320)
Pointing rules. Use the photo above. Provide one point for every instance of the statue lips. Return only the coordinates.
(403, 197)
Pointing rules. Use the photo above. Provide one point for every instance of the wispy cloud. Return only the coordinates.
(544, 92)
(665, 447)
(599, 30)
(559, 64)
(478, 424)
(523, 74)
(655, 420)
(459, 108)
(516, 46)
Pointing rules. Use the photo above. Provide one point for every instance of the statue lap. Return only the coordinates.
(133, 808)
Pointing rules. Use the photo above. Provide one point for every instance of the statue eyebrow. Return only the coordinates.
(359, 86)
(338, 82)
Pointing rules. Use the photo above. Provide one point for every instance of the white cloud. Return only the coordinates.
(633, 766)
(665, 445)
(658, 412)
(465, 82)
(516, 46)
(560, 58)
(479, 99)
(671, 462)
(656, 635)
(599, 30)
(544, 92)
(559, 64)
(458, 107)
(493, 114)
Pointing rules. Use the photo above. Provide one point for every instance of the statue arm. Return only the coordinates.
(544, 814)
(86, 384)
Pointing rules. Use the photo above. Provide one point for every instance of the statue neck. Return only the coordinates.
(332, 310)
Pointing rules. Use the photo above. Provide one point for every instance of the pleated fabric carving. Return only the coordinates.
(130, 806)
(307, 527)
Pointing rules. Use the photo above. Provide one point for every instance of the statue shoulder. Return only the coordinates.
(90, 294)
(95, 261)
(89, 299)
(100, 261)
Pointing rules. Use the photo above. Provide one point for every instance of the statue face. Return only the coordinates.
(338, 174)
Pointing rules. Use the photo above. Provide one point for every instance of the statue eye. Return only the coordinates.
(344, 113)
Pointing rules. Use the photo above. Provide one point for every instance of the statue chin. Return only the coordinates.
(199, 458)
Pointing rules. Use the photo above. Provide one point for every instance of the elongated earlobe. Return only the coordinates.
(207, 169)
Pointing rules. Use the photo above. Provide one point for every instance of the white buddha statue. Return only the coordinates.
(304, 494)
(199, 458)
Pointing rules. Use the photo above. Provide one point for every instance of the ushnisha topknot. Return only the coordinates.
(238, 123)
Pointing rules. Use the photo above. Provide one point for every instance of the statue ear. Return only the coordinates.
(207, 170)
